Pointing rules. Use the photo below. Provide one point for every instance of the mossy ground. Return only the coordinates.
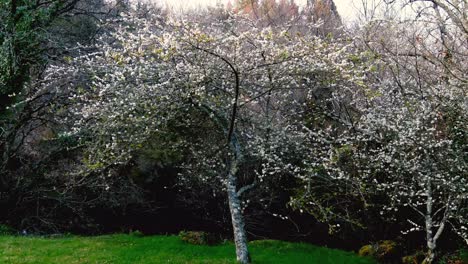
(122, 248)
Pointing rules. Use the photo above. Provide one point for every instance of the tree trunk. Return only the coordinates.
(240, 237)
(431, 245)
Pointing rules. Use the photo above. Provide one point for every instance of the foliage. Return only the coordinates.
(383, 251)
(366, 250)
(416, 258)
(458, 257)
(20, 42)
(6, 230)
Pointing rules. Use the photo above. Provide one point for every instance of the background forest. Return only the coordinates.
(251, 119)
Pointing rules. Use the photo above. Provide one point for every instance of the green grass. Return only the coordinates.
(159, 249)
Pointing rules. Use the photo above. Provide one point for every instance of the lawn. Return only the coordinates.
(158, 249)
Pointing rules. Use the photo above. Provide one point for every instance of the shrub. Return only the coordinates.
(199, 238)
(457, 257)
(383, 251)
(136, 233)
(416, 258)
(6, 230)
(367, 250)
(387, 249)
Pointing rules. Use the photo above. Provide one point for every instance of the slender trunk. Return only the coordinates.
(431, 245)
(240, 236)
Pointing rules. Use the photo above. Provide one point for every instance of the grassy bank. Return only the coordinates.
(158, 249)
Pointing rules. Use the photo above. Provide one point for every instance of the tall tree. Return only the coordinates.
(414, 121)
(244, 83)
(23, 26)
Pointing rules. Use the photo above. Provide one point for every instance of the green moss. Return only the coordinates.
(367, 250)
(385, 250)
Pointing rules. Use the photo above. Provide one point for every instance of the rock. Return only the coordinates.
(199, 238)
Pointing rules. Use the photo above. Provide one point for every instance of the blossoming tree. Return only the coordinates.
(245, 83)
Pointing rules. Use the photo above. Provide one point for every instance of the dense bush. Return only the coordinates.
(7, 230)
(385, 251)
